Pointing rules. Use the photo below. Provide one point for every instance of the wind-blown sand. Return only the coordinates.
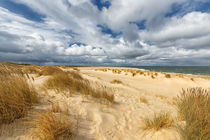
(122, 120)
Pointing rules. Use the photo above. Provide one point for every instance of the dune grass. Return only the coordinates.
(16, 94)
(143, 100)
(194, 108)
(49, 70)
(115, 81)
(167, 75)
(31, 69)
(159, 121)
(52, 126)
(73, 82)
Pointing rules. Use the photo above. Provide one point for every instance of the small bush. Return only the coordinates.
(116, 81)
(167, 75)
(49, 126)
(194, 108)
(143, 100)
(16, 94)
(159, 121)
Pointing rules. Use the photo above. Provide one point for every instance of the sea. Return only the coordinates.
(197, 70)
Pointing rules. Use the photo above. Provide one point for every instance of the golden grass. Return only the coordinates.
(159, 121)
(16, 94)
(50, 126)
(152, 76)
(144, 100)
(115, 81)
(194, 108)
(31, 69)
(167, 75)
(49, 70)
(180, 75)
(74, 83)
(55, 107)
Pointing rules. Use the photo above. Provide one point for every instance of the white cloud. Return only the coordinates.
(163, 41)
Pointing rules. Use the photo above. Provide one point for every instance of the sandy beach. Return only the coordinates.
(137, 95)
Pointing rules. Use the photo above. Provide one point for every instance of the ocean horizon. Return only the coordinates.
(196, 70)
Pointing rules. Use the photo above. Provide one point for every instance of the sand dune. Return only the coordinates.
(136, 97)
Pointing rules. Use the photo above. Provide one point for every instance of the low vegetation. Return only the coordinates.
(116, 81)
(51, 126)
(143, 100)
(167, 75)
(16, 94)
(49, 70)
(72, 82)
(31, 69)
(194, 108)
(159, 121)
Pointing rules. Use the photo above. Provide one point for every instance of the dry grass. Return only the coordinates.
(152, 76)
(50, 126)
(55, 107)
(116, 81)
(167, 75)
(31, 69)
(74, 83)
(49, 70)
(144, 100)
(192, 79)
(159, 121)
(194, 108)
(180, 75)
(16, 94)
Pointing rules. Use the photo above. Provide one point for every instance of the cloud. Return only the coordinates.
(82, 32)
(190, 32)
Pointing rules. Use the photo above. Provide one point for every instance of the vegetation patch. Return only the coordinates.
(51, 126)
(167, 75)
(159, 121)
(194, 108)
(73, 82)
(49, 70)
(144, 100)
(16, 94)
(116, 81)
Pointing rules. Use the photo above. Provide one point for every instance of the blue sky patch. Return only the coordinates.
(21, 9)
(100, 4)
(187, 7)
(77, 43)
(141, 24)
(107, 30)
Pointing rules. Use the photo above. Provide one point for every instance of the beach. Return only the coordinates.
(137, 95)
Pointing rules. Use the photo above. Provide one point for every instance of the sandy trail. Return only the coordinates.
(123, 120)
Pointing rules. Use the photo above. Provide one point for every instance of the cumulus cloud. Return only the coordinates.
(70, 33)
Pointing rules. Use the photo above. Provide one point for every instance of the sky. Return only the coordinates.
(106, 32)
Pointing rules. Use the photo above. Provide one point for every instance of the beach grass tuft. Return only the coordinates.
(144, 100)
(49, 70)
(73, 83)
(159, 121)
(51, 126)
(167, 75)
(115, 81)
(17, 95)
(194, 108)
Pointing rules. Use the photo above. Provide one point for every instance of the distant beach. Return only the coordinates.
(196, 70)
